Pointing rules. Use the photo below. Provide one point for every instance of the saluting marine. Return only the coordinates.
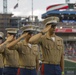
(28, 53)
(52, 48)
(1, 51)
(11, 57)
(2, 47)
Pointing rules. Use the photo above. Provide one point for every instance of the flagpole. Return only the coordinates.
(16, 4)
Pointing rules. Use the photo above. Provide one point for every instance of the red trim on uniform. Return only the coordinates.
(42, 69)
(18, 71)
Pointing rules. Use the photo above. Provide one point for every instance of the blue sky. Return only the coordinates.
(24, 8)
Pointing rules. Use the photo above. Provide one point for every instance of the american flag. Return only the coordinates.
(16, 6)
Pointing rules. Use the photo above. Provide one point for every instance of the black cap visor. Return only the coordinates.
(29, 32)
(52, 23)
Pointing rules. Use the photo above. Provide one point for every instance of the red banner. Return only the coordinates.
(66, 30)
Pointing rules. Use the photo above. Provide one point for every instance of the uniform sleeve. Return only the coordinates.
(39, 41)
(38, 55)
(37, 62)
(2, 48)
(62, 47)
(16, 47)
(35, 49)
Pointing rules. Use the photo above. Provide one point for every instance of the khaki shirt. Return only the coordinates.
(28, 54)
(51, 50)
(1, 61)
(11, 58)
(1, 56)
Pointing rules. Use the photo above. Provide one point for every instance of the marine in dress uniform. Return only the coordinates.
(52, 48)
(28, 53)
(11, 58)
(1, 37)
(1, 51)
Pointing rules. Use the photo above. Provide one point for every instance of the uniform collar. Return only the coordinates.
(48, 37)
(26, 44)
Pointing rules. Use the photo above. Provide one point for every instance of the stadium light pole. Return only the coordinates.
(5, 14)
(32, 11)
(67, 1)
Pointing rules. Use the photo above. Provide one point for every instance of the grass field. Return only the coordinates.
(70, 67)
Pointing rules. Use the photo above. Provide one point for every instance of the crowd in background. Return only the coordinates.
(70, 49)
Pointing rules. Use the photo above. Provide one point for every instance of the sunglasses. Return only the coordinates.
(29, 32)
(53, 25)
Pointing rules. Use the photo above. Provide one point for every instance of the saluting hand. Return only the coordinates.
(10, 38)
(24, 35)
(46, 29)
